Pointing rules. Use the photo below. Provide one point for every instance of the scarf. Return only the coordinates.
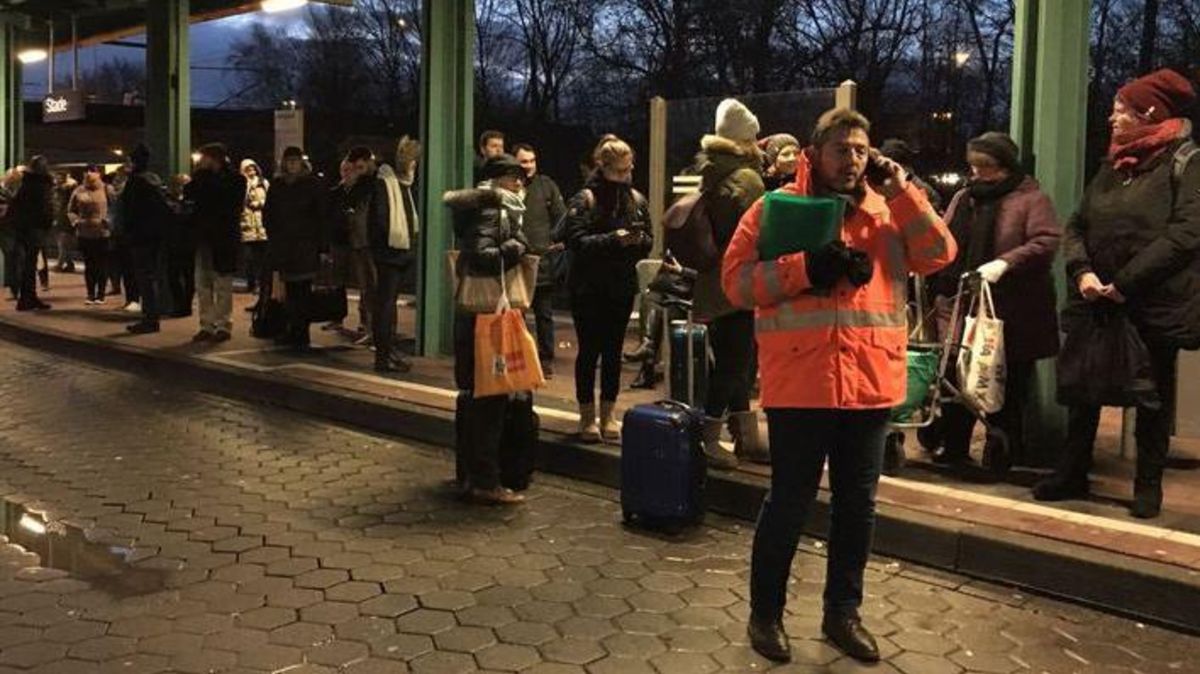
(1134, 149)
(974, 227)
(512, 212)
(614, 201)
(398, 225)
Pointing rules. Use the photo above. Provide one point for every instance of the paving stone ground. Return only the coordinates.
(259, 540)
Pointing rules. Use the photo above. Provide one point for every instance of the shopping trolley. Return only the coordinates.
(932, 358)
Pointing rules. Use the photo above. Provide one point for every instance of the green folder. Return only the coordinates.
(794, 224)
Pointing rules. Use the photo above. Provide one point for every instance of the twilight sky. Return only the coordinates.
(210, 44)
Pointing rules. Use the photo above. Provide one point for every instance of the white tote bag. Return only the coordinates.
(981, 367)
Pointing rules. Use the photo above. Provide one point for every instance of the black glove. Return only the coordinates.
(512, 250)
(827, 265)
(860, 270)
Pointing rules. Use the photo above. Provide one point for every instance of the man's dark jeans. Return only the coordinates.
(146, 264)
(801, 439)
(389, 277)
(543, 316)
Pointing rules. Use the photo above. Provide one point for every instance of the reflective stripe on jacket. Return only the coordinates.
(843, 348)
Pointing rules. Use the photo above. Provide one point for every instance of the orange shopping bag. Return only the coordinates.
(506, 359)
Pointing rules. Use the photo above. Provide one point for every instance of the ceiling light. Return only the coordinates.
(32, 56)
(32, 524)
(282, 5)
(195, 157)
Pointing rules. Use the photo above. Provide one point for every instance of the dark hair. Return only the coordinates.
(523, 147)
(217, 151)
(360, 153)
(838, 119)
(489, 135)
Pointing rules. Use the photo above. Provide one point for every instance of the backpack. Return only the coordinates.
(1179, 164)
(688, 229)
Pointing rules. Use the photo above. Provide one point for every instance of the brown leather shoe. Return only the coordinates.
(846, 631)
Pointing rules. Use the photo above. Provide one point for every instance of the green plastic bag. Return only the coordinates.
(922, 373)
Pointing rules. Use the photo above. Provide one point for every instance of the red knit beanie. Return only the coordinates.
(1159, 96)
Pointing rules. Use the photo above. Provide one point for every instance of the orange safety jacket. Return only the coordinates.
(842, 348)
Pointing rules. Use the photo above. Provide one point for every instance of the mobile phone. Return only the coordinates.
(877, 172)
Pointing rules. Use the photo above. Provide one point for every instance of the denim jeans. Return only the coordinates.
(729, 383)
(543, 317)
(801, 439)
(215, 290)
(600, 324)
(146, 261)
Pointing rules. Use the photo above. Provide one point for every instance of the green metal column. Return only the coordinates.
(168, 100)
(447, 129)
(12, 128)
(1053, 131)
(1024, 81)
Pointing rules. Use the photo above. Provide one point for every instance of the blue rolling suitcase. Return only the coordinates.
(663, 467)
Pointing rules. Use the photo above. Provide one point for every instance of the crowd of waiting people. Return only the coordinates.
(824, 332)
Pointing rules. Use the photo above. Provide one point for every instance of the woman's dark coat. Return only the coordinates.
(296, 222)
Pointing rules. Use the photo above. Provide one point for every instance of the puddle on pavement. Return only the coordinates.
(67, 548)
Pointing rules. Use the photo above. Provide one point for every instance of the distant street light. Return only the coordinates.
(961, 58)
(282, 5)
(118, 151)
(402, 24)
(28, 56)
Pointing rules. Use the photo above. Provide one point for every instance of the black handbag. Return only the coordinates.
(328, 303)
(269, 319)
(1105, 363)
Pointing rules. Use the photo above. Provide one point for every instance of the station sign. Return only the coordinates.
(63, 106)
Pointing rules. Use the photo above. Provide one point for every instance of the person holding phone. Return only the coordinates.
(608, 231)
(832, 330)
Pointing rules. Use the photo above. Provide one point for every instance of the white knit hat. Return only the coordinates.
(736, 122)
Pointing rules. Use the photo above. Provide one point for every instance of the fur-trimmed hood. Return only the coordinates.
(720, 157)
(472, 199)
(720, 144)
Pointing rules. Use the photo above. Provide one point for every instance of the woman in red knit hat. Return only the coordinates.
(1130, 250)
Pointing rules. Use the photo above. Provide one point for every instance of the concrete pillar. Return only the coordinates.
(168, 95)
(447, 130)
(1053, 52)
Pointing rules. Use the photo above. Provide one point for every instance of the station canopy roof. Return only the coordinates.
(100, 21)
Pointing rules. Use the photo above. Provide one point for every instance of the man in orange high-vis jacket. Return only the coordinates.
(831, 327)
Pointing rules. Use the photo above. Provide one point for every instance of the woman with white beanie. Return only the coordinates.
(729, 163)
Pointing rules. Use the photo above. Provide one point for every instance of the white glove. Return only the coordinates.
(993, 271)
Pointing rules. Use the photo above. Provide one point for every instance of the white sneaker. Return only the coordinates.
(133, 308)
(90, 302)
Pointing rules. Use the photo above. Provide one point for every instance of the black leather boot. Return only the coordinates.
(1059, 487)
(768, 639)
(846, 631)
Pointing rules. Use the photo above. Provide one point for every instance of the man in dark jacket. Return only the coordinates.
(216, 194)
(145, 213)
(33, 216)
(353, 199)
(491, 145)
(544, 208)
(296, 236)
(393, 228)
